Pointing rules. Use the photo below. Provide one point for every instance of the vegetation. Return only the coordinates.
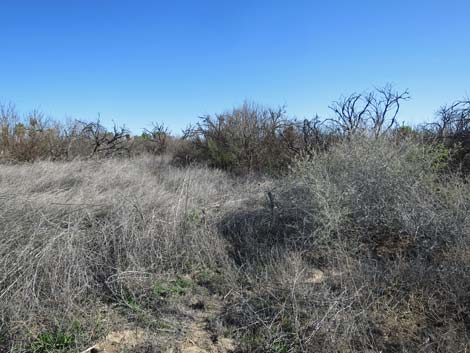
(253, 232)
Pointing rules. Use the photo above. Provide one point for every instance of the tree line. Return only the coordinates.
(247, 139)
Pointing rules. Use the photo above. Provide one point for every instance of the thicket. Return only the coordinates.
(251, 139)
(256, 139)
(391, 237)
(35, 137)
(248, 139)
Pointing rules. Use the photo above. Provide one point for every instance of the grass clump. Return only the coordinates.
(49, 342)
(175, 287)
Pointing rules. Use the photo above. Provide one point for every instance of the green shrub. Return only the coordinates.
(247, 139)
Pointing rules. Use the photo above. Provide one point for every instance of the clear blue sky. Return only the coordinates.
(140, 61)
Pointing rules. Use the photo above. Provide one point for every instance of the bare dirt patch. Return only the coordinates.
(197, 337)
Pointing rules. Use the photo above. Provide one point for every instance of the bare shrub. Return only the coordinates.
(158, 138)
(34, 137)
(103, 142)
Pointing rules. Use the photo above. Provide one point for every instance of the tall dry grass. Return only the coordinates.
(77, 236)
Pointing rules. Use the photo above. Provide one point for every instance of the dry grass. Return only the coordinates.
(362, 248)
(79, 236)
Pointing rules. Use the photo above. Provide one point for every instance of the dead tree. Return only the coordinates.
(454, 120)
(385, 106)
(375, 111)
(351, 113)
(104, 142)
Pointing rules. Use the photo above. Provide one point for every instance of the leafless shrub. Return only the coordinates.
(307, 137)
(32, 138)
(106, 142)
(455, 119)
(158, 138)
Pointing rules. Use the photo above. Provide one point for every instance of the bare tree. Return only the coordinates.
(375, 111)
(105, 142)
(352, 113)
(385, 105)
(454, 120)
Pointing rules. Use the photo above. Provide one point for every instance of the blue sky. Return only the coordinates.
(172, 61)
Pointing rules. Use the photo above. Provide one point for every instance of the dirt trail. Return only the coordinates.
(197, 337)
(118, 341)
